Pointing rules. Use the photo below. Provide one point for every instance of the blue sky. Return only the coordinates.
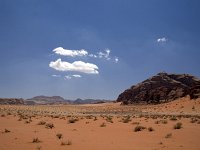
(93, 48)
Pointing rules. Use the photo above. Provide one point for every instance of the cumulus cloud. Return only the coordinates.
(160, 40)
(72, 53)
(78, 66)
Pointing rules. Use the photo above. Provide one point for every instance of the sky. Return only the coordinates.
(94, 48)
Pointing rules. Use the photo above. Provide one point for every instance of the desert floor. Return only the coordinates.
(108, 126)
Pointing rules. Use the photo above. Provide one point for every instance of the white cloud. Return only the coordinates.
(105, 54)
(78, 66)
(77, 76)
(67, 77)
(72, 53)
(163, 39)
(55, 75)
(116, 59)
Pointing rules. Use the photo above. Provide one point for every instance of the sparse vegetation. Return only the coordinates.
(126, 119)
(139, 128)
(178, 125)
(173, 118)
(103, 124)
(59, 135)
(49, 125)
(72, 120)
(150, 129)
(169, 135)
(109, 119)
(95, 118)
(41, 123)
(6, 131)
(36, 140)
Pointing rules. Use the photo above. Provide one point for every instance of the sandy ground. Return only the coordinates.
(102, 126)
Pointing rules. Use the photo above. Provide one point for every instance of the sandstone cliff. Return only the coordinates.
(162, 87)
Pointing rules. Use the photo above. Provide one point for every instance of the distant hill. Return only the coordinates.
(11, 101)
(89, 101)
(162, 87)
(44, 100)
(51, 100)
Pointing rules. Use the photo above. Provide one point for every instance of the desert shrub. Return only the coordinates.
(72, 120)
(59, 135)
(169, 135)
(126, 119)
(9, 113)
(3, 115)
(89, 117)
(27, 121)
(95, 118)
(193, 120)
(173, 118)
(103, 124)
(6, 131)
(139, 128)
(109, 119)
(36, 140)
(150, 129)
(41, 123)
(178, 125)
(49, 125)
(68, 142)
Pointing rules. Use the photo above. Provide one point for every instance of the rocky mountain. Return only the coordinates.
(44, 100)
(51, 100)
(162, 87)
(11, 101)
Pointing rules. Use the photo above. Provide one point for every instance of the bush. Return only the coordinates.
(126, 119)
(59, 135)
(103, 124)
(41, 123)
(139, 128)
(169, 135)
(109, 119)
(36, 140)
(49, 125)
(178, 125)
(150, 129)
(173, 118)
(6, 131)
(72, 120)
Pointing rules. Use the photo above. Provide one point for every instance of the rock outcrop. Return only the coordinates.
(162, 87)
(11, 101)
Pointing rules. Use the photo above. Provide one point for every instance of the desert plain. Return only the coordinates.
(107, 126)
